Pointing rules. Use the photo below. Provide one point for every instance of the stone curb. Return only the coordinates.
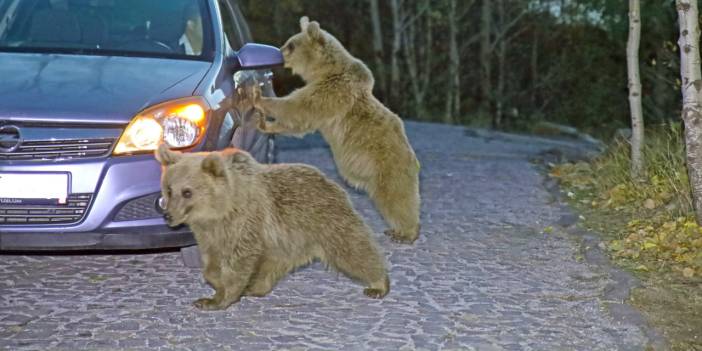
(622, 282)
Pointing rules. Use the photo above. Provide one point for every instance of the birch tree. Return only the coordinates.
(397, 20)
(632, 63)
(691, 78)
(501, 68)
(457, 12)
(453, 94)
(378, 50)
(418, 37)
(485, 57)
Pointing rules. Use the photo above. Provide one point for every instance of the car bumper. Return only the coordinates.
(121, 213)
(125, 239)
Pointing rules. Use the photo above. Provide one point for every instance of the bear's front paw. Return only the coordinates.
(255, 95)
(207, 304)
(265, 124)
(261, 121)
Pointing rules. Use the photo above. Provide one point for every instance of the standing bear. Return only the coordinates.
(254, 223)
(367, 140)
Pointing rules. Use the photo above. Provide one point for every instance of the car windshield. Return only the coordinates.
(159, 28)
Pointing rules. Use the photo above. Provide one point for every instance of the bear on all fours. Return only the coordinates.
(254, 223)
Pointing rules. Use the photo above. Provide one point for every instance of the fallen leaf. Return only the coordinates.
(96, 278)
(615, 245)
(688, 272)
(649, 245)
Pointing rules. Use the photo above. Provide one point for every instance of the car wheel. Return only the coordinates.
(260, 145)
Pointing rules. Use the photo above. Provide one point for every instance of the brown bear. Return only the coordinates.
(367, 140)
(254, 223)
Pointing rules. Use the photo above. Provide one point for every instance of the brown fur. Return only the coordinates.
(368, 140)
(254, 223)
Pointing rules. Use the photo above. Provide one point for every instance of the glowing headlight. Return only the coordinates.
(179, 123)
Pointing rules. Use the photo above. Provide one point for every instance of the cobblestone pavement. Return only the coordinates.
(485, 275)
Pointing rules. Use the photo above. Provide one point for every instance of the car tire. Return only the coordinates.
(191, 256)
(261, 146)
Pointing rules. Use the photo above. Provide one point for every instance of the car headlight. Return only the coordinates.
(178, 123)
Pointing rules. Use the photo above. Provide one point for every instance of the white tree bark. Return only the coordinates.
(378, 51)
(691, 77)
(632, 63)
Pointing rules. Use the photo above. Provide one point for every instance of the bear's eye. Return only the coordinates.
(169, 191)
(187, 193)
(291, 46)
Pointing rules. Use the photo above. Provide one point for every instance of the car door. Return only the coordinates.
(241, 119)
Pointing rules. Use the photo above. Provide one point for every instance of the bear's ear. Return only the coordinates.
(304, 21)
(166, 156)
(314, 32)
(213, 165)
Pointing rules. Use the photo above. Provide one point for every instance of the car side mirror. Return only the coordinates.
(258, 56)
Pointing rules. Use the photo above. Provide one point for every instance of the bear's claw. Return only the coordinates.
(399, 238)
(375, 293)
(207, 304)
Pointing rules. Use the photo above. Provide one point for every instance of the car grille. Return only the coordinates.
(71, 212)
(141, 208)
(59, 149)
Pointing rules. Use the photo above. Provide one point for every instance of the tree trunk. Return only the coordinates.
(691, 85)
(501, 58)
(632, 63)
(485, 64)
(378, 51)
(397, 21)
(453, 94)
(411, 60)
(417, 43)
(535, 69)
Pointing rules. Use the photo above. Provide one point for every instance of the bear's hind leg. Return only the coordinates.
(358, 258)
(397, 200)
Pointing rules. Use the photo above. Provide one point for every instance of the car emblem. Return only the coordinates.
(10, 138)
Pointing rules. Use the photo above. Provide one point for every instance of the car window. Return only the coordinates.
(235, 28)
(178, 28)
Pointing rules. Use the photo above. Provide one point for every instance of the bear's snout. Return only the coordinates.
(169, 219)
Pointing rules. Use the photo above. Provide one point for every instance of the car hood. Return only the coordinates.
(90, 89)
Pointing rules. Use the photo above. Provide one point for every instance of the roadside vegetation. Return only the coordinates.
(648, 226)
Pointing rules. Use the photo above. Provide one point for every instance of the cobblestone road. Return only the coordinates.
(482, 276)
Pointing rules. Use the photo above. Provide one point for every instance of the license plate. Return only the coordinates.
(33, 188)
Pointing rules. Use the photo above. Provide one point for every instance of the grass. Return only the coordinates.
(648, 227)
